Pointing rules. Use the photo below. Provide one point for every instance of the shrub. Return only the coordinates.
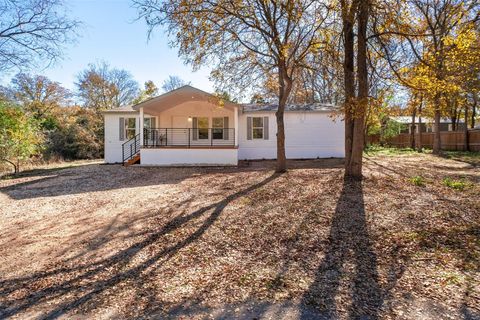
(418, 181)
(455, 184)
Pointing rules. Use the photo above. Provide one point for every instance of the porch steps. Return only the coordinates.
(135, 159)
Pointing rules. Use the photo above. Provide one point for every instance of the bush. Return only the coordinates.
(78, 135)
(418, 181)
(20, 137)
(455, 184)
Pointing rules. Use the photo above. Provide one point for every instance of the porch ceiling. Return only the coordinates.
(181, 95)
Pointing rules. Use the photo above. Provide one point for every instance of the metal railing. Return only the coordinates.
(189, 137)
(130, 148)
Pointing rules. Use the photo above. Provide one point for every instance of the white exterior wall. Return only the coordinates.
(307, 135)
(113, 145)
(189, 157)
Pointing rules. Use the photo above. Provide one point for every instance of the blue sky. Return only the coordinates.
(111, 34)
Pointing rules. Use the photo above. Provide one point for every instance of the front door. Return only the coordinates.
(179, 134)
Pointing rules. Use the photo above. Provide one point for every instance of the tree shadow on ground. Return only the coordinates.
(67, 289)
(349, 264)
(94, 177)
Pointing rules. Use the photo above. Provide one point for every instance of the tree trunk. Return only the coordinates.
(349, 82)
(474, 110)
(419, 142)
(436, 139)
(467, 147)
(285, 87)
(412, 130)
(16, 167)
(454, 123)
(355, 167)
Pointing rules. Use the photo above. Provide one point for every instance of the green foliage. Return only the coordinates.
(419, 181)
(391, 129)
(373, 150)
(470, 157)
(455, 184)
(20, 137)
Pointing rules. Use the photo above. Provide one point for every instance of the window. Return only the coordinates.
(202, 128)
(149, 123)
(257, 127)
(217, 125)
(130, 125)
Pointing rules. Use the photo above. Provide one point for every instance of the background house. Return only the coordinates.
(426, 125)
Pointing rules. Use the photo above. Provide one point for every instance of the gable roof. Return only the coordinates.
(305, 107)
(182, 94)
(120, 109)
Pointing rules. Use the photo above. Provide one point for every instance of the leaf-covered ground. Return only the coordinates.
(106, 241)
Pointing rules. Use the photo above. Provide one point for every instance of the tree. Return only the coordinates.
(32, 31)
(417, 46)
(78, 135)
(20, 137)
(101, 87)
(38, 95)
(150, 90)
(246, 41)
(172, 83)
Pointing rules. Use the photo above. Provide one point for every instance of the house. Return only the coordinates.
(188, 126)
(427, 124)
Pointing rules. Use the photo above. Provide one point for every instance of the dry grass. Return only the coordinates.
(105, 241)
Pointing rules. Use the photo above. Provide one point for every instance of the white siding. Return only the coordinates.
(189, 157)
(113, 145)
(307, 135)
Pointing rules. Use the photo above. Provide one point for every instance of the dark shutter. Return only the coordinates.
(265, 128)
(249, 128)
(195, 128)
(121, 126)
(225, 128)
(153, 124)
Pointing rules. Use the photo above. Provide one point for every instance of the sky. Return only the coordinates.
(110, 33)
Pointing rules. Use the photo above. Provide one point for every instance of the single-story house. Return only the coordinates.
(188, 126)
(427, 124)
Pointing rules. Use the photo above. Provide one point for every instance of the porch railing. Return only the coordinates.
(189, 137)
(130, 148)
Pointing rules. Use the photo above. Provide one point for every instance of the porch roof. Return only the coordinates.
(178, 96)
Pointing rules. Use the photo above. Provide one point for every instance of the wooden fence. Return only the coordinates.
(450, 140)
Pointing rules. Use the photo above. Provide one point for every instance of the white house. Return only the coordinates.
(188, 126)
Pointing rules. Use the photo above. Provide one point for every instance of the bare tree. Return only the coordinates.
(101, 87)
(173, 82)
(246, 41)
(33, 31)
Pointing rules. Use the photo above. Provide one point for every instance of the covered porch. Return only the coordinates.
(188, 127)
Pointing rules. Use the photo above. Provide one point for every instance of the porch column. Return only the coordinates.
(235, 122)
(141, 126)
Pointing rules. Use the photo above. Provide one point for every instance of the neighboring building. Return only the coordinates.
(188, 126)
(427, 124)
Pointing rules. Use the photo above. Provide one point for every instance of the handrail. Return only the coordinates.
(130, 148)
(188, 137)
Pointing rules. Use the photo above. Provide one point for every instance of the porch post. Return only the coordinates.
(235, 122)
(141, 126)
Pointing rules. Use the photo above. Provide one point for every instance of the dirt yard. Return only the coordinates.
(104, 241)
